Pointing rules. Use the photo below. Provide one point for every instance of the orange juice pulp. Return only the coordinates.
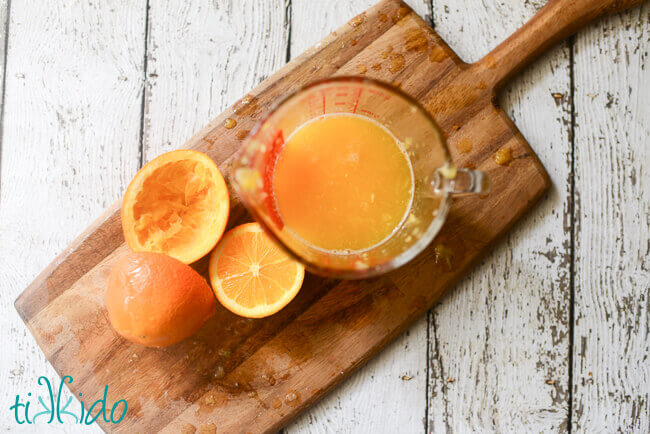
(342, 183)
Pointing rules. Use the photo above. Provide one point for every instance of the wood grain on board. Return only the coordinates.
(266, 371)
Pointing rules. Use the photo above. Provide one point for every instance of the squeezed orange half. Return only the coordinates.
(342, 183)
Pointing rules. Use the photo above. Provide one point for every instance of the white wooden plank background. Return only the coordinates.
(611, 361)
(82, 109)
(503, 334)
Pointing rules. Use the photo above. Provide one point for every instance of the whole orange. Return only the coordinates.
(155, 300)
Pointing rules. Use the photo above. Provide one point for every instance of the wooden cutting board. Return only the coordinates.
(255, 375)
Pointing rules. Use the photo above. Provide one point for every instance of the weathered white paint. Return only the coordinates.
(611, 357)
(502, 335)
(69, 147)
(389, 393)
(202, 57)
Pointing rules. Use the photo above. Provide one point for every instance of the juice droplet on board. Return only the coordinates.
(358, 20)
(241, 134)
(443, 255)
(376, 66)
(396, 63)
(292, 398)
(383, 17)
(416, 41)
(361, 69)
(437, 54)
(503, 156)
(386, 53)
(208, 428)
(401, 13)
(464, 145)
(230, 123)
(188, 428)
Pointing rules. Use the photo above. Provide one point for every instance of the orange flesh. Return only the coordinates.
(253, 271)
(342, 182)
(175, 207)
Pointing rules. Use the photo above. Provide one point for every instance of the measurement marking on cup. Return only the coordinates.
(356, 102)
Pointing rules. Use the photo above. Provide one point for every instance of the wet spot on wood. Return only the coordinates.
(353, 42)
(443, 255)
(503, 156)
(416, 41)
(247, 104)
(464, 145)
(358, 20)
(188, 429)
(437, 54)
(208, 428)
(292, 398)
(386, 53)
(481, 85)
(241, 134)
(396, 63)
(230, 123)
(383, 17)
(269, 378)
(361, 69)
(376, 66)
(490, 62)
(456, 97)
(218, 373)
(401, 13)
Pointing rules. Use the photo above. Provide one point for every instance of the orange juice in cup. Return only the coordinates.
(342, 182)
(351, 176)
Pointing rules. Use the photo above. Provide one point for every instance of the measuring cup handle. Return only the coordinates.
(460, 182)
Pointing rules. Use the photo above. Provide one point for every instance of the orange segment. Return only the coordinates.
(176, 204)
(250, 275)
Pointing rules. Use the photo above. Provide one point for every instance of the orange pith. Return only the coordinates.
(250, 275)
(177, 204)
(156, 300)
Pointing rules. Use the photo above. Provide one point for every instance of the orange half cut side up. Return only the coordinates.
(250, 275)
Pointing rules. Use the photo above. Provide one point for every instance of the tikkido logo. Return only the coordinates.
(51, 406)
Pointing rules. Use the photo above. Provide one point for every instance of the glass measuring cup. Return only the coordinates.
(436, 179)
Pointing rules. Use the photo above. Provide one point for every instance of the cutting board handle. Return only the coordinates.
(557, 20)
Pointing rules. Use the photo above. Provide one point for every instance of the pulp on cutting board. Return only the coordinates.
(343, 182)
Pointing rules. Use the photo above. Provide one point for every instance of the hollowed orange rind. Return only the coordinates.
(176, 204)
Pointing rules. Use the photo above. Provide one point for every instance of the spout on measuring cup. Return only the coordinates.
(449, 179)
